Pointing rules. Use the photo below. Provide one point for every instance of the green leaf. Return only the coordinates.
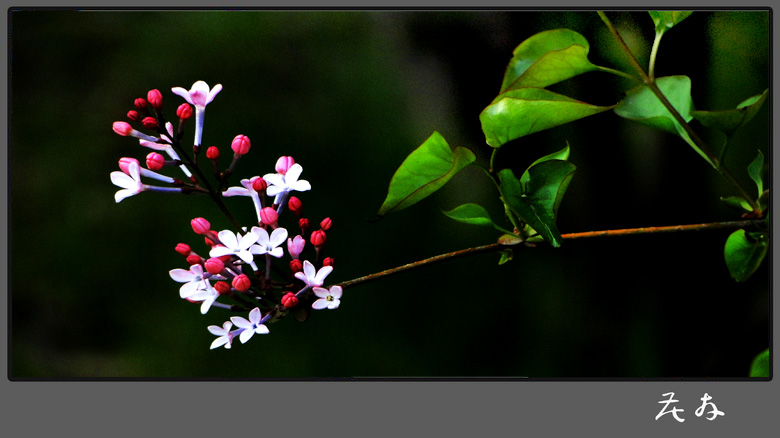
(536, 203)
(665, 20)
(562, 154)
(506, 255)
(760, 365)
(756, 172)
(643, 106)
(728, 121)
(737, 202)
(423, 172)
(524, 111)
(473, 214)
(744, 253)
(547, 58)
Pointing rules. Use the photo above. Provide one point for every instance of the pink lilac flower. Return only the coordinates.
(328, 298)
(246, 190)
(251, 326)
(295, 246)
(130, 182)
(199, 96)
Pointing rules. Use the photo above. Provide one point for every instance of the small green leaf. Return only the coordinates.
(562, 154)
(737, 202)
(536, 203)
(423, 172)
(744, 253)
(665, 20)
(756, 172)
(506, 255)
(729, 121)
(524, 111)
(473, 214)
(547, 58)
(760, 365)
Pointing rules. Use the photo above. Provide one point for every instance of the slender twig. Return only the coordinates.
(570, 236)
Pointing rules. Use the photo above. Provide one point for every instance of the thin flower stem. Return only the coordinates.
(571, 236)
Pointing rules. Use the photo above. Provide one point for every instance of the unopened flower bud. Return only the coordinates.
(155, 161)
(328, 261)
(318, 238)
(212, 153)
(200, 225)
(209, 242)
(194, 259)
(150, 123)
(283, 164)
(184, 111)
(295, 246)
(303, 224)
(122, 128)
(214, 266)
(268, 216)
(140, 103)
(225, 258)
(124, 164)
(259, 184)
(183, 249)
(240, 144)
(241, 283)
(326, 224)
(295, 205)
(155, 98)
(222, 287)
(289, 300)
(133, 115)
(296, 266)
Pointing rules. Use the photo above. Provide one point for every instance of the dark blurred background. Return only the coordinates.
(350, 94)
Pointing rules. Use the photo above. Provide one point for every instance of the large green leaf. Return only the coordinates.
(547, 58)
(744, 253)
(643, 106)
(524, 111)
(756, 172)
(473, 214)
(423, 172)
(760, 365)
(665, 20)
(536, 202)
(728, 121)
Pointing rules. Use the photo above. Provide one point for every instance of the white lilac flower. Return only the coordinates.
(193, 280)
(247, 190)
(328, 299)
(225, 337)
(131, 184)
(234, 244)
(311, 276)
(280, 185)
(269, 244)
(199, 96)
(207, 296)
(251, 326)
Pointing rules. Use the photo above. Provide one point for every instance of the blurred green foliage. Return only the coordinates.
(350, 94)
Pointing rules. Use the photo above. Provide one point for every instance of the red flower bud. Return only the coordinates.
(150, 123)
(222, 287)
(269, 216)
(214, 266)
(209, 242)
(296, 266)
(303, 224)
(295, 205)
(328, 261)
(289, 300)
(184, 111)
(241, 283)
(155, 161)
(259, 184)
(318, 238)
(122, 128)
(124, 163)
(283, 164)
(155, 98)
(133, 115)
(200, 225)
(225, 258)
(183, 249)
(194, 259)
(212, 153)
(240, 144)
(140, 103)
(326, 224)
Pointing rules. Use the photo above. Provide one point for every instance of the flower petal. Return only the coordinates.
(277, 252)
(255, 316)
(213, 93)
(320, 292)
(220, 341)
(261, 329)
(336, 291)
(308, 270)
(236, 191)
(219, 251)
(278, 236)
(301, 186)
(293, 173)
(183, 93)
(181, 275)
(334, 304)
(246, 335)
(322, 273)
(247, 240)
(241, 322)
(320, 304)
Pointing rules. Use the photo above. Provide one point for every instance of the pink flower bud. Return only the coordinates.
(214, 266)
(303, 224)
(225, 258)
(295, 246)
(295, 205)
(328, 261)
(209, 242)
(318, 238)
(240, 144)
(140, 103)
(183, 249)
(184, 111)
(326, 224)
(296, 266)
(200, 225)
(259, 184)
(124, 164)
(155, 98)
(122, 128)
(241, 283)
(133, 115)
(289, 300)
(212, 153)
(155, 161)
(222, 287)
(283, 164)
(194, 259)
(150, 123)
(268, 216)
